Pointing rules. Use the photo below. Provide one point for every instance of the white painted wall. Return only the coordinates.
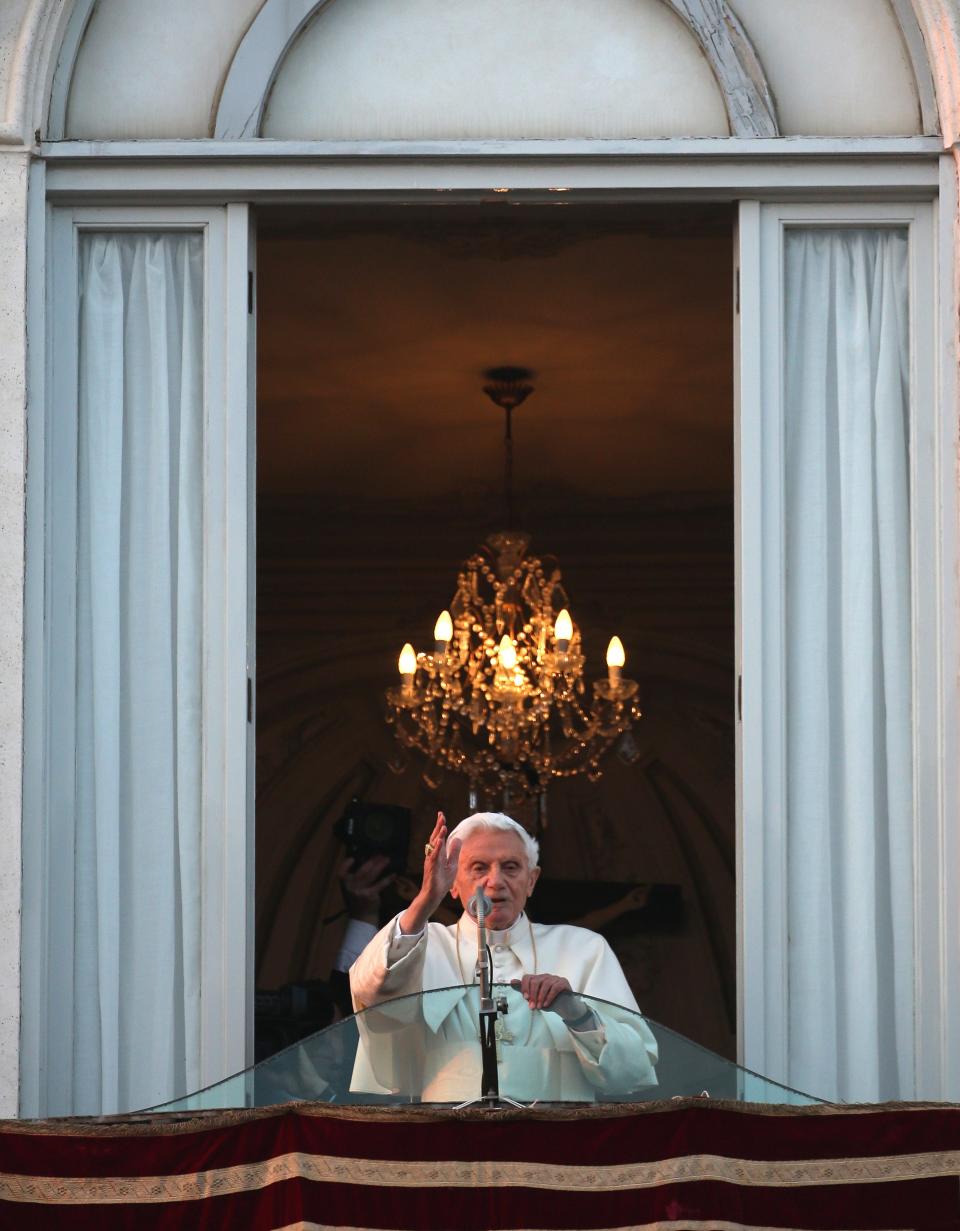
(13, 353)
(503, 68)
(149, 69)
(836, 67)
(11, 16)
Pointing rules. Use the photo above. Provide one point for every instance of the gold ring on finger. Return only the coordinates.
(428, 848)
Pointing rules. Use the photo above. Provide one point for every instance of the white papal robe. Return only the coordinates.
(429, 1047)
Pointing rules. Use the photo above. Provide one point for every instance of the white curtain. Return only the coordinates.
(848, 663)
(136, 822)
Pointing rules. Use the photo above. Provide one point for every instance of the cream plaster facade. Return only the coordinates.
(152, 71)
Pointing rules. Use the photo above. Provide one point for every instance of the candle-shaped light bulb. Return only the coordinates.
(563, 631)
(615, 660)
(442, 633)
(408, 666)
(507, 653)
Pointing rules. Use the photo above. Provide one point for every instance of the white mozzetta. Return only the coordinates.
(836, 67)
(13, 228)
(456, 69)
(154, 70)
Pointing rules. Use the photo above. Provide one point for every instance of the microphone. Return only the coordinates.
(478, 907)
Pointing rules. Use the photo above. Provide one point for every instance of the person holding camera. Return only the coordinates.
(361, 884)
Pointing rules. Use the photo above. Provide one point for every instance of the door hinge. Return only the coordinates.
(739, 698)
(736, 290)
(249, 699)
(250, 292)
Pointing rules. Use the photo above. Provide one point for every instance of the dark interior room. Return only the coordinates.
(381, 468)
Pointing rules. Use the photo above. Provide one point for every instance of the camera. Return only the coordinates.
(368, 829)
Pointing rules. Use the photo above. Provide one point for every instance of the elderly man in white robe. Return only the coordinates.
(553, 1044)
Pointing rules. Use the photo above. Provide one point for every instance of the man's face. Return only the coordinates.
(497, 860)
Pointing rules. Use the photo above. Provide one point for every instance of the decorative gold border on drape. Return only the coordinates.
(383, 1173)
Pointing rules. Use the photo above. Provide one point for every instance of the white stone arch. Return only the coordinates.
(904, 11)
(41, 72)
(30, 74)
(939, 23)
(62, 81)
(724, 42)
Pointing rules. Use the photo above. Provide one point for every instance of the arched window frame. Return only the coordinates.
(742, 169)
(260, 56)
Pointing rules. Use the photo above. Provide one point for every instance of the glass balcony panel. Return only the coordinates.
(425, 1049)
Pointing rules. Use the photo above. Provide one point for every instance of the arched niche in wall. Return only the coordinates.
(142, 70)
(853, 68)
(620, 68)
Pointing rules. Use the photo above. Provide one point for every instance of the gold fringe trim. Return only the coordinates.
(378, 1173)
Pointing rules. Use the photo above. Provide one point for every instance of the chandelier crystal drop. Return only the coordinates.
(501, 698)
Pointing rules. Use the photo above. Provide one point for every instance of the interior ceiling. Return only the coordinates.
(375, 327)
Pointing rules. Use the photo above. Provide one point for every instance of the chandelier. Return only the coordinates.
(501, 698)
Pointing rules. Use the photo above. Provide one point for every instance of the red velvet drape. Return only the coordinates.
(690, 1164)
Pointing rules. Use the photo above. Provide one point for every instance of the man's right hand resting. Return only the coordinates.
(439, 872)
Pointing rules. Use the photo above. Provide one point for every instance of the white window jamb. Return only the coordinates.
(761, 754)
(227, 897)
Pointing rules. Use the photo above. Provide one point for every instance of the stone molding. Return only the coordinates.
(32, 63)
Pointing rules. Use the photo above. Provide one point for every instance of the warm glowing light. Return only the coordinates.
(563, 629)
(615, 653)
(501, 696)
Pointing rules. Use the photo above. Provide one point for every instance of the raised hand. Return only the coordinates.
(440, 862)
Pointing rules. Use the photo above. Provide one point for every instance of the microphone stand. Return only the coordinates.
(490, 1010)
